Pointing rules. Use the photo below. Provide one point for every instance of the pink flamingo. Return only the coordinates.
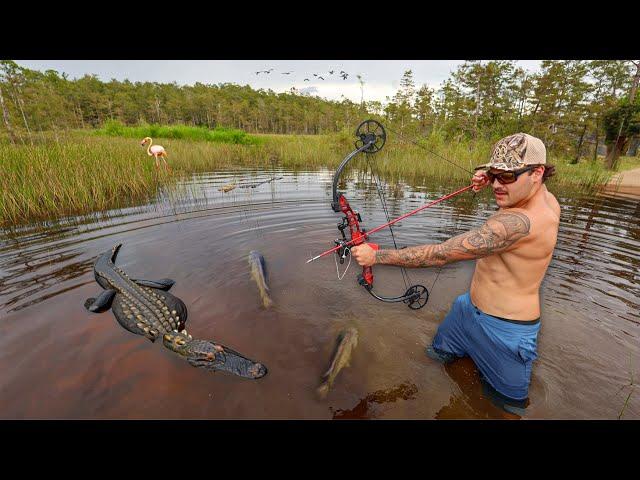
(155, 151)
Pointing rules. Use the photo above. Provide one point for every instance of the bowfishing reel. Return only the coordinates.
(373, 133)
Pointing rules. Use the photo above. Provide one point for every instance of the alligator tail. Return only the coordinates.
(114, 252)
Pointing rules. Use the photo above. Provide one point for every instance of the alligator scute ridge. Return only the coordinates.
(145, 307)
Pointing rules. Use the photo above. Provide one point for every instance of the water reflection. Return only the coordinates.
(366, 408)
(89, 368)
(472, 400)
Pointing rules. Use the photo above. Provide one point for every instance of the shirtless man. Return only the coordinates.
(496, 323)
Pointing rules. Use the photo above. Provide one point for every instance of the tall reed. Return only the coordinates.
(76, 172)
(113, 128)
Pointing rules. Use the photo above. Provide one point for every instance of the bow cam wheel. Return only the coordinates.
(371, 131)
(417, 297)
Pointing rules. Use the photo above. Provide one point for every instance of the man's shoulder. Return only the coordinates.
(552, 203)
(513, 220)
(512, 212)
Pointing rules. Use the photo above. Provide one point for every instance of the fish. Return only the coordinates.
(346, 342)
(227, 188)
(259, 275)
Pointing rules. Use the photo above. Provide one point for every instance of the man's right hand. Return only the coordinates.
(479, 180)
(364, 255)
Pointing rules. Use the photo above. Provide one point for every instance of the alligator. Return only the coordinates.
(254, 185)
(145, 307)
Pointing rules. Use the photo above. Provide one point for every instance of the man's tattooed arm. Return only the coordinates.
(496, 235)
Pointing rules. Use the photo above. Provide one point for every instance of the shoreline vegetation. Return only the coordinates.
(70, 146)
(83, 171)
(114, 128)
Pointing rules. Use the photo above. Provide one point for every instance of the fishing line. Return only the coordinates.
(401, 136)
(430, 151)
(383, 201)
(347, 251)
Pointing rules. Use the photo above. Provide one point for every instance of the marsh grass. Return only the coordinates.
(626, 402)
(435, 159)
(628, 163)
(58, 178)
(113, 128)
(77, 172)
(631, 386)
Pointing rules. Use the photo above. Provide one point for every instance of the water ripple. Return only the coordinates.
(200, 235)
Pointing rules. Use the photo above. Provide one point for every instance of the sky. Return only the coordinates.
(381, 77)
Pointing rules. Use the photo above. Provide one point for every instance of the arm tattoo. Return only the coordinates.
(497, 234)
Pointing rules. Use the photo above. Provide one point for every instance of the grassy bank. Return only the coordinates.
(81, 172)
(114, 128)
(629, 163)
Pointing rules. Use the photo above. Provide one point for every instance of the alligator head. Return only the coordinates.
(212, 356)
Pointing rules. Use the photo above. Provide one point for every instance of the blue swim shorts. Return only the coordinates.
(502, 349)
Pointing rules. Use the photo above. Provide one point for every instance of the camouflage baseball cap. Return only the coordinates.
(516, 151)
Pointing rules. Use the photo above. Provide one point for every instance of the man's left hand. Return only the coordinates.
(364, 255)
(480, 180)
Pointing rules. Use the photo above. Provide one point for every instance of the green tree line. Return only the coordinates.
(578, 107)
(37, 101)
(575, 106)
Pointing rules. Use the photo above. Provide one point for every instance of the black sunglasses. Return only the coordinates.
(508, 177)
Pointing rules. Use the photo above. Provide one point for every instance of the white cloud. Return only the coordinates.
(308, 91)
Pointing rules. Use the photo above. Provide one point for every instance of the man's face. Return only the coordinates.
(512, 194)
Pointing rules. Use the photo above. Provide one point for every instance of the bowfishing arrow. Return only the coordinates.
(380, 227)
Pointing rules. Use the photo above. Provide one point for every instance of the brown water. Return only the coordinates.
(59, 361)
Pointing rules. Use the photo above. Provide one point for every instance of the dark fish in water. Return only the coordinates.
(347, 341)
(259, 275)
(146, 308)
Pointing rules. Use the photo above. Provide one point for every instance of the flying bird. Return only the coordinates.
(258, 73)
(315, 74)
(306, 79)
(344, 77)
(287, 73)
(321, 78)
(331, 72)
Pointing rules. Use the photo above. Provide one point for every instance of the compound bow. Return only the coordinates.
(371, 137)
